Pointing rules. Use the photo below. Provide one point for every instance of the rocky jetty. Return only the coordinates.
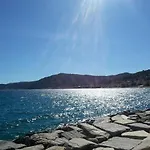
(123, 131)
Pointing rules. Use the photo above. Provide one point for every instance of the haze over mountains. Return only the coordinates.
(64, 80)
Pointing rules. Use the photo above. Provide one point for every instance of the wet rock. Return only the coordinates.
(5, 145)
(72, 134)
(121, 143)
(136, 134)
(112, 128)
(92, 131)
(36, 147)
(56, 148)
(144, 145)
(139, 126)
(82, 144)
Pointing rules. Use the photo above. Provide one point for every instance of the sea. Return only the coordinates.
(29, 111)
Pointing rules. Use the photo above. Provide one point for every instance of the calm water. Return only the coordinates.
(22, 111)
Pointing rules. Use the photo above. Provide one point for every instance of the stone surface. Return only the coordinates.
(133, 117)
(36, 147)
(82, 144)
(122, 119)
(45, 138)
(59, 141)
(72, 134)
(56, 148)
(75, 128)
(147, 122)
(112, 128)
(102, 119)
(139, 126)
(136, 134)
(4, 145)
(147, 112)
(121, 143)
(93, 131)
(118, 117)
(144, 145)
(103, 148)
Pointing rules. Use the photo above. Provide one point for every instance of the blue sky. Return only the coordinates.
(43, 37)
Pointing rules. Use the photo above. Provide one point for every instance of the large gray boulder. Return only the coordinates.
(144, 145)
(5, 145)
(139, 126)
(80, 144)
(122, 119)
(121, 143)
(112, 128)
(93, 131)
(49, 139)
(141, 134)
(72, 134)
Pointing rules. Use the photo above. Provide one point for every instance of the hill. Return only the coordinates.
(63, 80)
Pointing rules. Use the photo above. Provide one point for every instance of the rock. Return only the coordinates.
(147, 122)
(112, 128)
(56, 148)
(75, 128)
(102, 119)
(5, 145)
(121, 143)
(93, 131)
(144, 145)
(36, 147)
(98, 139)
(147, 112)
(133, 117)
(122, 119)
(45, 138)
(118, 117)
(59, 141)
(139, 126)
(103, 148)
(72, 134)
(69, 128)
(82, 144)
(136, 134)
(143, 116)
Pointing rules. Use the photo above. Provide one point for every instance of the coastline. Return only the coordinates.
(122, 131)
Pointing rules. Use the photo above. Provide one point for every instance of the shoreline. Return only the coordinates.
(122, 131)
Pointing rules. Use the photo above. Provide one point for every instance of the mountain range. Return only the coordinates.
(63, 80)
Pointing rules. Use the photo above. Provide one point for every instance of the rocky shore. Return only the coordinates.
(123, 131)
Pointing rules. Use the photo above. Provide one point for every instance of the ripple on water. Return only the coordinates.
(32, 110)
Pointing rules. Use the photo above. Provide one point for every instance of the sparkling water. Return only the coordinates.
(23, 111)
